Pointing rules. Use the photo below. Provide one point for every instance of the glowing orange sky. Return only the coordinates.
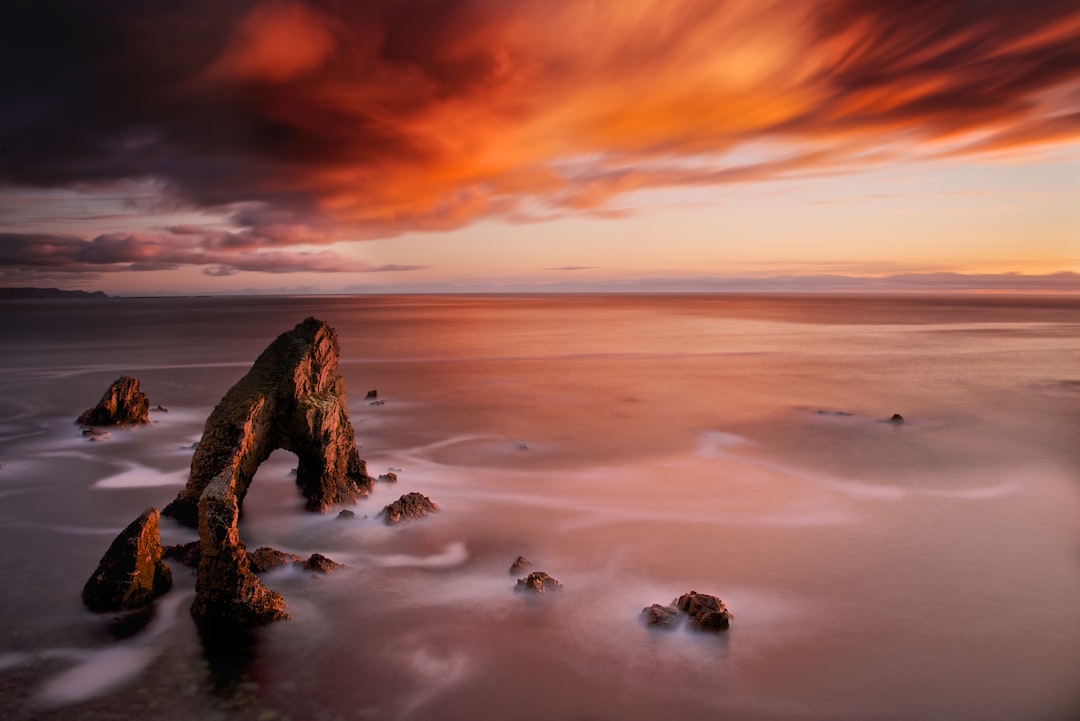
(457, 141)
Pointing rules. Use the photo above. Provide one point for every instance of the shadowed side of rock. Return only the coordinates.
(131, 574)
(124, 404)
(292, 398)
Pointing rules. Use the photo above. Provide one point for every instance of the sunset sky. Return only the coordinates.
(414, 145)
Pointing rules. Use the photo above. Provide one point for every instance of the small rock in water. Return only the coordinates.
(390, 477)
(538, 582)
(265, 559)
(123, 404)
(373, 393)
(704, 613)
(377, 403)
(411, 505)
(666, 617)
(186, 553)
(897, 419)
(520, 565)
(346, 515)
(160, 409)
(320, 563)
(95, 434)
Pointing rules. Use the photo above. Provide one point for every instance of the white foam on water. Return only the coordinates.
(453, 554)
(100, 671)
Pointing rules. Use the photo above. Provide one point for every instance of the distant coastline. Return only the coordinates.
(39, 293)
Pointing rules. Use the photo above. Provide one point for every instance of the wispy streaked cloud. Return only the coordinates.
(319, 122)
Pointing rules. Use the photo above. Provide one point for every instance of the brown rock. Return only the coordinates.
(520, 565)
(186, 553)
(409, 506)
(707, 613)
(131, 573)
(665, 617)
(122, 405)
(320, 563)
(227, 593)
(292, 398)
(388, 477)
(346, 515)
(265, 559)
(538, 582)
(897, 419)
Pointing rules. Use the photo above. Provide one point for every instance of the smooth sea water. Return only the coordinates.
(634, 447)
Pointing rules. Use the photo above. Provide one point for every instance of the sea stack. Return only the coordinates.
(123, 404)
(292, 398)
(131, 574)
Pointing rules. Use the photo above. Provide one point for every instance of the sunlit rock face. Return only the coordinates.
(131, 573)
(292, 398)
(124, 404)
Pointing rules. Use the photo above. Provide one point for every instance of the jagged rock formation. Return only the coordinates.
(131, 573)
(292, 398)
(702, 611)
(227, 592)
(124, 404)
(519, 565)
(538, 582)
(411, 505)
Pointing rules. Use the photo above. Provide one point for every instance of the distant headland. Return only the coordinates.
(36, 293)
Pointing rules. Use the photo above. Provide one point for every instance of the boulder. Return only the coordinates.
(707, 613)
(701, 611)
(320, 563)
(410, 506)
(292, 398)
(538, 582)
(665, 617)
(265, 559)
(123, 404)
(131, 574)
(897, 419)
(519, 565)
(346, 515)
(388, 477)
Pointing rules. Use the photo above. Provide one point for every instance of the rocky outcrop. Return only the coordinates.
(410, 506)
(292, 398)
(131, 574)
(124, 404)
(320, 564)
(538, 582)
(519, 565)
(227, 592)
(701, 611)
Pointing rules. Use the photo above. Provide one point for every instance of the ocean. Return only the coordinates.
(633, 447)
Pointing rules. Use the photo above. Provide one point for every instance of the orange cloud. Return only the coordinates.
(364, 120)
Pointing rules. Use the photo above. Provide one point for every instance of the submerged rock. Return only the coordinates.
(897, 419)
(388, 477)
(410, 506)
(292, 398)
(666, 617)
(346, 515)
(538, 582)
(123, 404)
(131, 574)
(702, 611)
(519, 565)
(265, 559)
